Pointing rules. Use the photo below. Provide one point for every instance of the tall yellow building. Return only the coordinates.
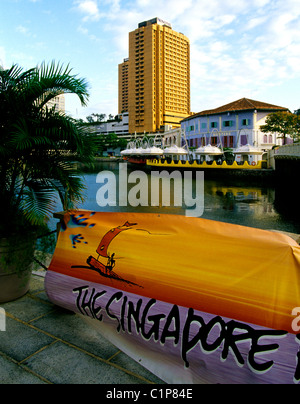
(123, 86)
(158, 77)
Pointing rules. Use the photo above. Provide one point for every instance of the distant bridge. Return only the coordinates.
(289, 151)
(287, 164)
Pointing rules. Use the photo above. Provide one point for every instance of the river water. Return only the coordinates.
(265, 206)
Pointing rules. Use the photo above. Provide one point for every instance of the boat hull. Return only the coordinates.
(136, 160)
(196, 301)
(183, 164)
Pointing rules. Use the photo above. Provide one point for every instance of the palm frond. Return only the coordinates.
(25, 137)
(38, 145)
(38, 203)
(57, 77)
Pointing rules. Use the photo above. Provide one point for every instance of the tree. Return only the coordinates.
(282, 123)
(39, 144)
(297, 113)
(96, 118)
(110, 140)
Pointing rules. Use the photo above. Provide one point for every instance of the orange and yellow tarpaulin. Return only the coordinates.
(196, 291)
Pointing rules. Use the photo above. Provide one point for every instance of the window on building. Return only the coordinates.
(228, 141)
(190, 128)
(214, 124)
(246, 122)
(228, 123)
(203, 125)
(244, 140)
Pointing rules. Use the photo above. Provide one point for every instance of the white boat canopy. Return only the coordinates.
(125, 152)
(175, 150)
(247, 149)
(209, 150)
(141, 148)
(152, 151)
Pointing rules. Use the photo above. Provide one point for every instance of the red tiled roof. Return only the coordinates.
(243, 104)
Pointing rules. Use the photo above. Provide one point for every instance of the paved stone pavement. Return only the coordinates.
(45, 344)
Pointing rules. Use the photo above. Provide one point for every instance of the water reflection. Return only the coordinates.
(246, 205)
(261, 206)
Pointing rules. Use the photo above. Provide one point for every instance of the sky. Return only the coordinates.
(239, 48)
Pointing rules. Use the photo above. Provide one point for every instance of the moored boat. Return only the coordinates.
(192, 300)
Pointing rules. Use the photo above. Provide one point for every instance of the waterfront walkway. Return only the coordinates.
(45, 344)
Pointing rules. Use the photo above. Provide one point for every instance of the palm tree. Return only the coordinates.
(38, 145)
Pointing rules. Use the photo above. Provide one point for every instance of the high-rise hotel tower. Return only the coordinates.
(154, 82)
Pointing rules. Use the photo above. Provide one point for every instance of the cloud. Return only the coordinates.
(238, 47)
(255, 22)
(244, 56)
(89, 9)
(94, 10)
(23, 30)
(84, 31)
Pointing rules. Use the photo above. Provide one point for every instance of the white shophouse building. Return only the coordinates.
(232, 126)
